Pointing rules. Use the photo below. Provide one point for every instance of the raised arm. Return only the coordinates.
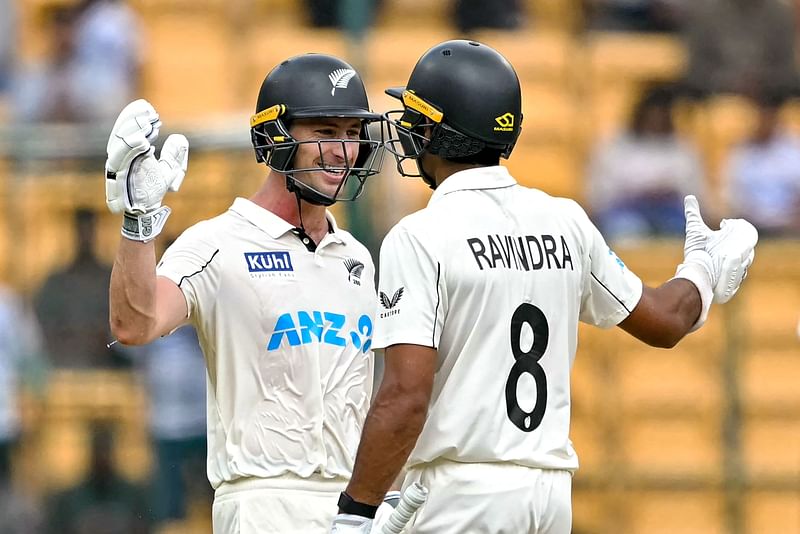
(142, 305)
(714, 265)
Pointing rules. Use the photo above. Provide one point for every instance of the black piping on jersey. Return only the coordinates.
(201, 268)
(610, 293)
(438, 299)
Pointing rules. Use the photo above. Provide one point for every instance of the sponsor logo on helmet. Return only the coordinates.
(269, 114)
(505, 121)
(340, 79)
(416, 103)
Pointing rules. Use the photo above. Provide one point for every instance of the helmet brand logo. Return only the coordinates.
(340, 78)
(506, 122)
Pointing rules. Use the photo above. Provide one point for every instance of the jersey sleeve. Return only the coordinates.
(611, 291)
(410, 308)
(189, 262)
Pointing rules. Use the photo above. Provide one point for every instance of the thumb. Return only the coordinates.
(691, 210)
(174, 160)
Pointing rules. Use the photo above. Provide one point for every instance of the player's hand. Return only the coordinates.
(384, 511)
(351, 524)
(716, 261)
(136, 181)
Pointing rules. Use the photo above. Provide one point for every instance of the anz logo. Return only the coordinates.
(328, 328)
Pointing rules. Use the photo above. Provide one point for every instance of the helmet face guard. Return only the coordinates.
(276, 147)
(316, 86)
(420, 128)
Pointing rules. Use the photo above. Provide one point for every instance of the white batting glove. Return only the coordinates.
(715, 261)
(136, 181)
(351, 524)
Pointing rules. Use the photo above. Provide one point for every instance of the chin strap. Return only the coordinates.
(306, 193)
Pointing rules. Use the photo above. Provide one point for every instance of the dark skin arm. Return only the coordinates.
(394, 421)
(664, 315)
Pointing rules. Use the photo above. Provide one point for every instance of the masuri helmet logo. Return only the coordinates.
(505, 121)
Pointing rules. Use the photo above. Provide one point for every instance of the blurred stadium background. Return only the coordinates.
(701, 439)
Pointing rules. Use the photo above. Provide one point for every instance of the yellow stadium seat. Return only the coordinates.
(768, 379)
(617, 56)
(669, 511)
(552, 168)
(772, 511)
(771, 448)
(671, 448)
(190, 71)
(682, 381)
(535, 54)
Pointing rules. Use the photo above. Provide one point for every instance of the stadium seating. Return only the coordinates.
(695, 439)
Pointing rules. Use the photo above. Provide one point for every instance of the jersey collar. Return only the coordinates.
(273, 225)
(494, 177)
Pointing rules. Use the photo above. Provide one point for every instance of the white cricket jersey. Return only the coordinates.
(496, 276)
(286, 334)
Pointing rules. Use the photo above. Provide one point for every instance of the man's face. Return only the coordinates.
(333, 156)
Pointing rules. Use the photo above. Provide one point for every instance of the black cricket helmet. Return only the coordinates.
(314, 86)
(461, 98)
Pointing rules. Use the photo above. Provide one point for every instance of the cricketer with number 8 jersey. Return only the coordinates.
(511, 269)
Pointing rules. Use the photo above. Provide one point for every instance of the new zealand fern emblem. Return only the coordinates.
(340, 78)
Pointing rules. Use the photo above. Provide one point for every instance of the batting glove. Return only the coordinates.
(715, 261)
(351, 524)
(356, 524)
(136, 181)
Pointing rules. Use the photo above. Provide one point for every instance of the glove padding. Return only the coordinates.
(136, 181)
(715, 261)
(356, 524)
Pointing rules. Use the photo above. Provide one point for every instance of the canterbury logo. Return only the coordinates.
(340, 78)
(390, 303)
(506, 121)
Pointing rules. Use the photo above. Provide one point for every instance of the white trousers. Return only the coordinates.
(279, 505)
(491, 498)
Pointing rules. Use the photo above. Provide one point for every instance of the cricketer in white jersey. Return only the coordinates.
(511, 284)
(286, 340)
(481, 295)
(282, 299)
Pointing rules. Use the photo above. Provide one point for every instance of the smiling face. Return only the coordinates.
(334, 147)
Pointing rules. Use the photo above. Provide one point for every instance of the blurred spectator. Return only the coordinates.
(632, 15)
(741, 46)
(471, 15)
(91, 69)
(763, 175)
(8, 42)
(108, 45)
(72, 305)
(175, 375)
(22, 363)
(350, 15)
(638, 179)
(57, 89)
(104, 502)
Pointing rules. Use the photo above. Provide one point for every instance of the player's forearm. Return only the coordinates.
(390, 432)
(132, 294)
(664, 314)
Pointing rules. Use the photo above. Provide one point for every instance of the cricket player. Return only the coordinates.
(481, 293)
(283, 300)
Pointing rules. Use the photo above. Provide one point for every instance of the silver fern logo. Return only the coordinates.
(340, 78)
(354, 269)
